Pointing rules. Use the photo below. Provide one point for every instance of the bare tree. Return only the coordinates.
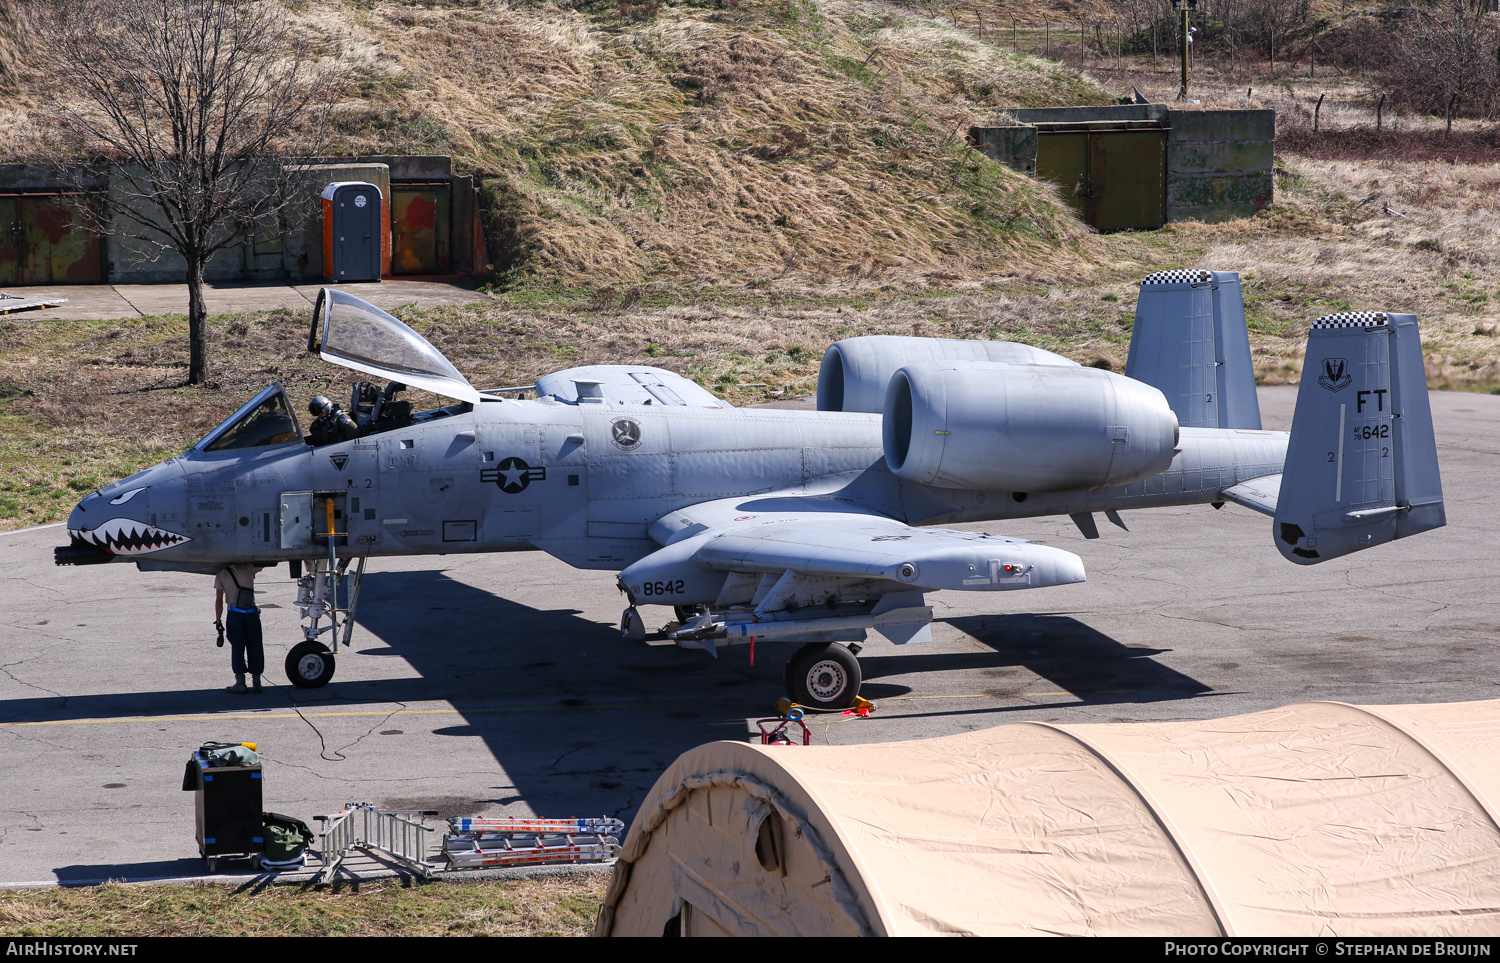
(1447, 58)
(189, 104)
(1269, 22)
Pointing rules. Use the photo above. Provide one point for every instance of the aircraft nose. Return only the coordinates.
(86, 513)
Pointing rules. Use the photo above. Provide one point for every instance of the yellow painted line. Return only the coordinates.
(365, 712)
(225, 716)
(232, 716)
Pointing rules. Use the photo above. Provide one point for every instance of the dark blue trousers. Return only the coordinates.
(242, 629)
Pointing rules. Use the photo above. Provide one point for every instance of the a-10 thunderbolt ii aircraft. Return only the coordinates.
(804, 526)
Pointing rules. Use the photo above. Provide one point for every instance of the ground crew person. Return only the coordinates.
(237, 584)
(332, 424)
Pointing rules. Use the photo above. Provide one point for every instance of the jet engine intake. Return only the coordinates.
(1024, 427)
(856, 371)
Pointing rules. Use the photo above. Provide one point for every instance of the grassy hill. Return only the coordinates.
(718, 141)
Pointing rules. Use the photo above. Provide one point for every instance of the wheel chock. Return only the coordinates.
(862, 707)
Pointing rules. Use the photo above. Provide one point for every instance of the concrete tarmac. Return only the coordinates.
(108, 301)
(497, 685)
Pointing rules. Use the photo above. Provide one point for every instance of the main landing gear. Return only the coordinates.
(821, 675)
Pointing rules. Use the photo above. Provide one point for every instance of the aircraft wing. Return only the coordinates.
(818, 536)
(866, 547)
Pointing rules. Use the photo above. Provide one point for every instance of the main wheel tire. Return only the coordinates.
(309, 665)
(823, 675)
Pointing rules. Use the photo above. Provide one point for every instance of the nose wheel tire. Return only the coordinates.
(309, 665)
(823, 675)
(631, 625)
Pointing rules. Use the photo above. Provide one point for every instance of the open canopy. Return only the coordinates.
(354, 333)
(1319, 819)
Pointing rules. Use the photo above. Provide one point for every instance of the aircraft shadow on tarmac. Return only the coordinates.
(1071, 658)
(582, 722)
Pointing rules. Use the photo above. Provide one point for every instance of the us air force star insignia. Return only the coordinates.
(512, 475)
(1335, 376)
(625, 433)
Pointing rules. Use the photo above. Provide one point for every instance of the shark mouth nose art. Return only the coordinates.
(127, 536)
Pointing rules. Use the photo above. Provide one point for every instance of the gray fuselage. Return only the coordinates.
(584, 482)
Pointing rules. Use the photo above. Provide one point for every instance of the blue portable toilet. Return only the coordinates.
(353, 234)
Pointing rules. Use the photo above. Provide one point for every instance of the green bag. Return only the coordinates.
(286, 837)
(283, 843)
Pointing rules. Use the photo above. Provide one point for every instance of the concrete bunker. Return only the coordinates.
(1139, 166)
(432, 226)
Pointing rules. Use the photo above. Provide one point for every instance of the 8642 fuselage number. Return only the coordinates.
(663, 588)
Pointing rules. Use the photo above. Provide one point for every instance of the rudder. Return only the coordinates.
(1361, 463)
(1190, 342)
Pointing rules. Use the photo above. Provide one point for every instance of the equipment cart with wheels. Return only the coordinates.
(227, 801)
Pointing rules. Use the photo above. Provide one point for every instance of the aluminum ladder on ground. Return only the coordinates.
(474, 843)
(389, 833)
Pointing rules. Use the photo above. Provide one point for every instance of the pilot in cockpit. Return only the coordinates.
(332, 423)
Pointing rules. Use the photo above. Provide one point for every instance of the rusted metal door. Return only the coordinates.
(43, 241)
(421, 240)
(1116, 180)
(1063, 159)
(1127, 179)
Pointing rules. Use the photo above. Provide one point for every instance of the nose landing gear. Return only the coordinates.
(310, 665)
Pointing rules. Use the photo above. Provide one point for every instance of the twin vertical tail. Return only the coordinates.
(1361, 465)
(1190, 343)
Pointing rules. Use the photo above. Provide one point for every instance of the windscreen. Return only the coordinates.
(266, 420)
(358, 335)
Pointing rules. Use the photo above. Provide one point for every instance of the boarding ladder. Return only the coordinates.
(398, 835)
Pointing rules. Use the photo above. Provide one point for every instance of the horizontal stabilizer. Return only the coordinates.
(1361, 464)
(1190, 342)
(1257, 493)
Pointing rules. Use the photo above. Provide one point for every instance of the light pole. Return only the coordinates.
(1185, 40)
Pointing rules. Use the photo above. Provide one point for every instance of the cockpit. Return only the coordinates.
(355, 334)
(267, 419)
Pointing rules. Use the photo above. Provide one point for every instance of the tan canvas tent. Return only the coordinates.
(1315, 819)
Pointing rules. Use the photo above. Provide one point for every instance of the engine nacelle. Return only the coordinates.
(856, 371)
(1024, 427)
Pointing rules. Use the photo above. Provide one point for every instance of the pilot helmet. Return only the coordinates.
(320, 406)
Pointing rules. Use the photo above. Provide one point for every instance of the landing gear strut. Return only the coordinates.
(310, 663)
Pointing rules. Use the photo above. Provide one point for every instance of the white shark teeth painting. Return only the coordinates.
(128, 536)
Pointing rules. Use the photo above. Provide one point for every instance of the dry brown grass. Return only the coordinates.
(1410, 236)
(727, 142)
(543, 906)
